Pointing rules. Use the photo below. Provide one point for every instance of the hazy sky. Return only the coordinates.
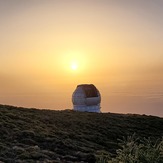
(115, 44)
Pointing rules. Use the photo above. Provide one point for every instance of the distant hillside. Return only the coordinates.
(30, 135)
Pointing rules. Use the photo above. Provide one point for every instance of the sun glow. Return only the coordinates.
(74, 66)
(73, 61)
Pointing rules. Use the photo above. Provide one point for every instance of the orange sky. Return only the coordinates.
(116, 45)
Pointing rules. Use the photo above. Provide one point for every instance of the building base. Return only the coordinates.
(83, 108)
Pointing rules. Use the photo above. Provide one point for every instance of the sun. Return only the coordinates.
(74, 66)
(73, 61)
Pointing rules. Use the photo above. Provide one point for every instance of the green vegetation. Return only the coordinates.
(135, 150)
(30, 135)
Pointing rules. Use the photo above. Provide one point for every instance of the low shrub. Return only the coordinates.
(134, 150)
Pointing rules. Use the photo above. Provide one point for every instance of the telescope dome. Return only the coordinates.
(86, 97)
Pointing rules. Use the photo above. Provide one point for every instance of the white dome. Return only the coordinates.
(86, 97)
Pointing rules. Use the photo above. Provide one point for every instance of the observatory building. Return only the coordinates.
(86, 98)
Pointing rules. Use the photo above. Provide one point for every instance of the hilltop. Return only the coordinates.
(27, 135)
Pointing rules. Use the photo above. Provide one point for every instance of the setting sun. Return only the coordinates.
(74, 60)
(74, 66)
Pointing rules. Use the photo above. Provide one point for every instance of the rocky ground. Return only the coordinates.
(33, 135)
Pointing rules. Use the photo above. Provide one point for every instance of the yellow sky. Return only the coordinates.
(116, 45)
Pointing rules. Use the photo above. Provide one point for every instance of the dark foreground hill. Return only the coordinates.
(32, 135)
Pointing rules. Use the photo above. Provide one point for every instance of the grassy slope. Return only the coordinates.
(45, 135)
